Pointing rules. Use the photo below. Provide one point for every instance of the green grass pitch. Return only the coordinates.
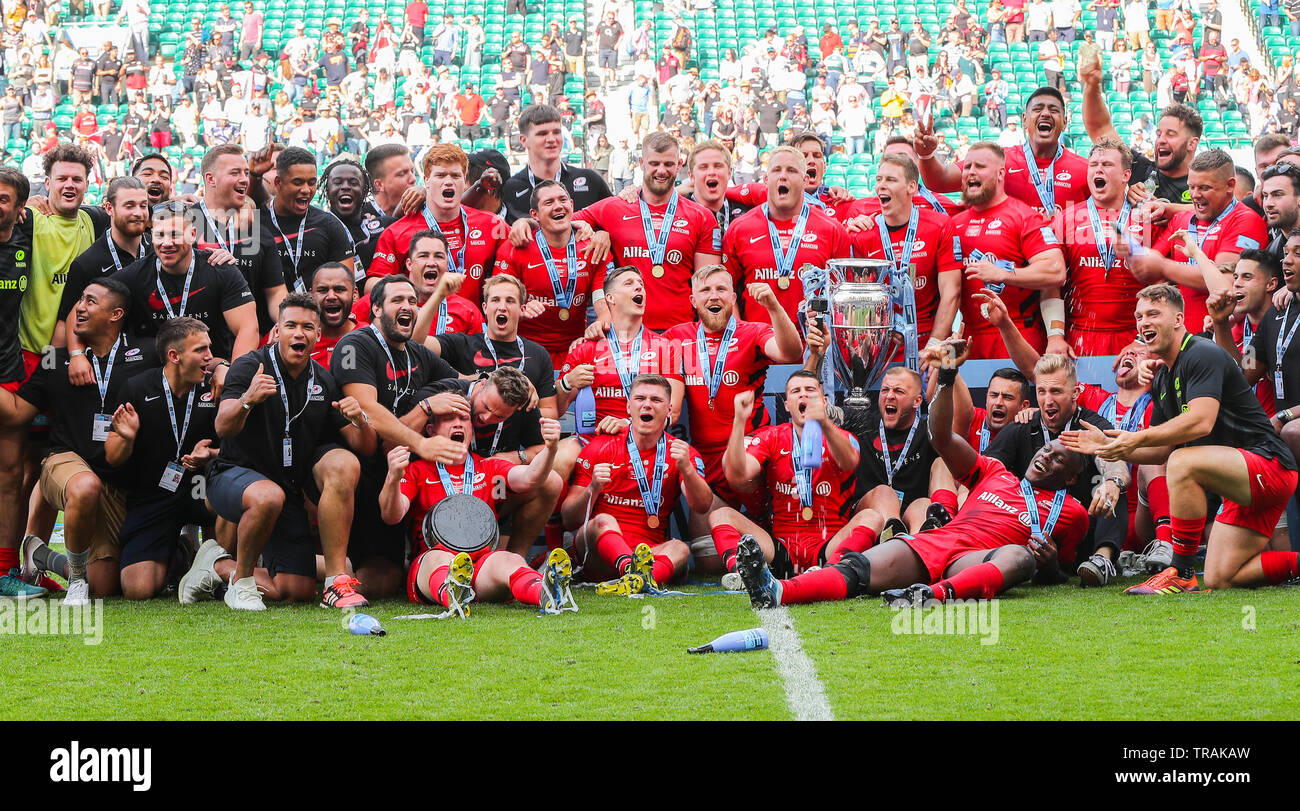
(1061, 653)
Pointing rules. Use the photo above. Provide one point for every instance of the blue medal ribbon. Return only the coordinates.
(455, 261)
(1045, 186)
(651, 491)
(1105, 249)
(1031, 507)
(931, 198)
(785, 258)
(466, 477)
(901, 282)
(626, 372)
(1132, 418)
(713, 381)
(802, 475)
(1195, 230)
(657, 242)
(563, 294)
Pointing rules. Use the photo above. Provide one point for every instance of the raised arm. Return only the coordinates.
(957, 453)
(741, 469)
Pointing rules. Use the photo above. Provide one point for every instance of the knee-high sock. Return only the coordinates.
(813, 587)
(526, 586)
(980, 582)
(1158, 503)
(613, 549)
(1187, 539)
(726, 539)
(859, 540)
(947, 498)
(8, 560)
(663, 569)
(1279, 566)
(436, 579)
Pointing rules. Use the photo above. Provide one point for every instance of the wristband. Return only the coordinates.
(1053, 310)
(925, 157)
(1055, 331)
(563, 384)
(946, 377)
(77, 353)
(425, 407)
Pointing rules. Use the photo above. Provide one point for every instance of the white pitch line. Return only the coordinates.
(804, 692)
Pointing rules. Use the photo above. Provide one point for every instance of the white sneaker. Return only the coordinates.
(1159, 556)
(731, 582)
(78, 593)
(201, 581)
(30, 570)
(243, 595)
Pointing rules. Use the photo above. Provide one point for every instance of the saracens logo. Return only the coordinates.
(919, 245)
(680, 223)
(206, 397)
(316, 388)
(1062, 176)
(579, 183)
(475, 234)
(994, 224)
(808, 238)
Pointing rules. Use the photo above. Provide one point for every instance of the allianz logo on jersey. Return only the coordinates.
(19, 284)
(792, 490)
(991, 498)
(623, 501)
(729, 378)
(673, 257)
(609, 391)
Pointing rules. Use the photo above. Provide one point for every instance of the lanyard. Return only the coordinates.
(976, 256)
(295, 255)
(1132, 417)
(216, 229)
(1031, 507)
(563, 295)
(406, 387)
(443, 321)
(892, 468)
(456, 260)
(984, 435)
(931, 198)
(284, 390)
(902, 283)
(1046, 186)
(1247, 333)
(785, 259)
(112, 250)
(101, 380)
(466, 477)
(651, 491)
(657, 242)
(802, 475)
(1105, 249)
(1195, 231)
(626, 372)
(713, 381)
(523, 359)
(1282, 344)
(185, 293)
(171, 413)
(532, 179)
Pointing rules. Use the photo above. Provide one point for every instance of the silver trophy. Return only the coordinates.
(854, 299)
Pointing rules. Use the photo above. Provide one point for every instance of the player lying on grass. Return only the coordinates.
(808, 527)
(630, 504)
(996, 540)
(1210, 432)
(446, 577)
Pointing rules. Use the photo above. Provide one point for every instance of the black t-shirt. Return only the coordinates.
(108, 63)
(155, 443)
(607, 35)
(213, 292)
(260, 446)
(585, 186)
(1264, 347)
(574, 42)
(469, 354)
(499, 109)
(15, 267)
(83, 74)
(359, 357)
(72, 409)
(112, 144)
(96, 262)
(365, 236)
(913, 476)
(324, 239)
(1016, 444)
(1173, 189)
(259, 274)
(1203, 369)
(769, 115)
(336, 67)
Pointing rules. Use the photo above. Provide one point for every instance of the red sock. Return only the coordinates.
(1158, 503)
(436, 580)
(726, 539)
(663, 569)
(614, 550)
(980, 582)
(8, 560)
(1279, 566)
(1186, 534)
(859, 540)
(815, 587)
(947, 498)
(526, 586)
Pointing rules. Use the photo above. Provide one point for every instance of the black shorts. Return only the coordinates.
(371, 538)
(291, 549)
(152, 528)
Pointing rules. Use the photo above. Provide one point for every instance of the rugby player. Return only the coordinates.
(436, 286)
(302, 235)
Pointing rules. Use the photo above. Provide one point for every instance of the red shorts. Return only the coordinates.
(805, 550)
(937, 554)
(754, 503)
(31, 362)
(1271, 489)
(1090, 343)
(412, 575)
(986, 345)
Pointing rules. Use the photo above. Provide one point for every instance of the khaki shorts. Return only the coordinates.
(56, 471)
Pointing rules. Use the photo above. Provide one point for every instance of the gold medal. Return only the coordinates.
(783, 282)
(652, 521)
(712, 405)
(564, 314)
(807, 513)
(657, 271)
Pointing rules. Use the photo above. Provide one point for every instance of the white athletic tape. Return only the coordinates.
(804, 692)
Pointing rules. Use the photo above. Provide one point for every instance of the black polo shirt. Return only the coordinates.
(586, 186)
(257, 266)
(155, 443)
(324, 239)
(15, 267)
(469, 354)
(96, 262)
(913, 476)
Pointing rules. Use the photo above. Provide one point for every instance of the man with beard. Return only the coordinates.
(345, 190)
(916, 247)
(1041, 173)
(832, 200)
(1007, 247)
(441, 311)
(542, 137)
(303, 236)
(1178, 134)
(1279, 198)
(335, 292)
(1101, 289)
(1217, 223)
(1006, 395)
(175, 279)
(553, 267)
(771, 244)
(283, 423)
(127, 205)
(1056, 383)
(391, 172)
(662, 235)
(1208, 430)
(383, 368)
(473, 237)
(709, 167)
(1240, 312)
(227, 220)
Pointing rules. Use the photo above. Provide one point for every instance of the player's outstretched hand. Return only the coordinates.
(744, 403)
(1090, 72)
(1221, 303)
(534, 308)
(126, 422)
(550, 431)
(595, 330)
(859, 223)
(992, 307)
(601, 475)
(680, 452)
(815, 336)
(261, 388)
(1087, 440)
(450, 283)
(1147, 370)
(763, 295)
(949, 353)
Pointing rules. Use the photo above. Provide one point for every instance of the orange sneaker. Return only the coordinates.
(342, 593)
(1165, 582)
